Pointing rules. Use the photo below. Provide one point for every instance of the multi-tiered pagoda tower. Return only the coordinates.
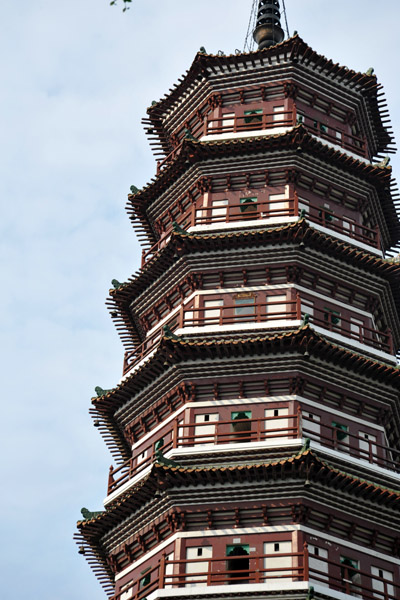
(256, 426)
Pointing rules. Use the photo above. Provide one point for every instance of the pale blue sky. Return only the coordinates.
(77, 77)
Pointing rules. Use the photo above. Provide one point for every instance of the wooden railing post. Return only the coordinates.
(205, 132)
(161, 572)
(306, 573)
(296, 203)
(110, 480)
(299, 422)
(298, 306)
(390, 341)
(125, 365)
(182, 316)
(209, 572)
(378, 237)
(175, 434)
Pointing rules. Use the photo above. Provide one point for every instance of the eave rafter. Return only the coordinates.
(296, 140)
(293, 50)
(180, 245)
(173, 351)
(305, 465)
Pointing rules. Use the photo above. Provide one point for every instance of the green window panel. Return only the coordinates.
(237, 549)
(243, 414)
(248, 205)
(253, 116)
(331, 316)
(327, 215)
(344, 430)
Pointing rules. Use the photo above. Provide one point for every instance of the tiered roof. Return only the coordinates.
(296, 140)
(299, 232)
(294, 50)
(306, 465)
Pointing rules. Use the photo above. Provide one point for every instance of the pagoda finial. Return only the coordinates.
(268, 31)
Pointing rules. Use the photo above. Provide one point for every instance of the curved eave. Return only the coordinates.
(305, 464)
(293, 49)
(171, 351)
(298, 232)
(296, 140)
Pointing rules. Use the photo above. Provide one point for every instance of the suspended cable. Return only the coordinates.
(286, 21)
(249, 42)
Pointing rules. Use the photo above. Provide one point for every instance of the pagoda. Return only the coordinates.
(256, 427)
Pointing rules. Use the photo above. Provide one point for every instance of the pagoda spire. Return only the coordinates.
(268, 31)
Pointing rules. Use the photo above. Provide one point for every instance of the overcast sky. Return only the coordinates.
(77, 76)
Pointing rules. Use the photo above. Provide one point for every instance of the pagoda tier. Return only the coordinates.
(218, 93)
(174, 397)
(299, 515)
(256, 426)
(205, 169)
(277, 268)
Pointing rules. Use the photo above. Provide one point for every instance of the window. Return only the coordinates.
(338, 135)
(241, 426)
(213, 314)
(145, 581)
(276, 307)
(238, 564)
(278, 205)
(219, 209)
(278, 113)
(248, 205)
(323, 128)
(300, 119)
(318, 564)
(253, 116)
(382, 582)
(228, 120)
(332, 317)
(340, 434)
(341, 431)
(326, 215)
(245, 307)
(351, 577)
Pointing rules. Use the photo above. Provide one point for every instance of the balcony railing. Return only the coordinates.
(190, 435)
(274, 569)
(267, 312)
(352, 328)
(365, 449)
(231, 123)
(286, 310)
(280, 209)
(279, 429)
(243, 123)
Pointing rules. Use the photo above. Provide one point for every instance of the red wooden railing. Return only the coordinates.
(244, 123)
(285, 208)
(215, 572)
(365, 335)
(186, 435)
(265, 121)
(347, 141)
(228, 315)
(329, 436)
(262, 313)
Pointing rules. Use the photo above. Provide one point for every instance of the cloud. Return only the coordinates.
(77, 77)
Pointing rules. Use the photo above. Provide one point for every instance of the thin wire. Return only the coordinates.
(253, 17)
(284, 12)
